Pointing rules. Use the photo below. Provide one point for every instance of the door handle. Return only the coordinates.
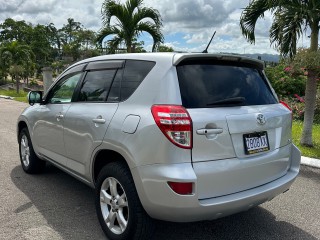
(59, 116)
(205, 131)
(99, 119)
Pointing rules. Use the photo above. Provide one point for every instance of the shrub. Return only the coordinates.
(286, 81)
(33, 83)
(298, 106)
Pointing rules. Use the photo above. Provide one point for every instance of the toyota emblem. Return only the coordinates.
(261, 119)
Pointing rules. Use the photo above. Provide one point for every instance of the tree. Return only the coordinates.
(86, 38)
(70, 30)
(17, 56)
(55, 37)
(12, 30)
(291, 18)
(164, 48)
(37, 37)
(40, 45)
(87, 43)
(132, 18)
(72, 50)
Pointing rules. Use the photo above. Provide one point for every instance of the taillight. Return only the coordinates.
(182, 188)
(175, 123)
(286, 105)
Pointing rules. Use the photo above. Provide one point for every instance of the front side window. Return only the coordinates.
(96, 85)
(63, 91)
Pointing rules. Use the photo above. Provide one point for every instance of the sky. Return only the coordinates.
(187, 24)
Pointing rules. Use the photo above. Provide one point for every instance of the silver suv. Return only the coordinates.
(176, 137)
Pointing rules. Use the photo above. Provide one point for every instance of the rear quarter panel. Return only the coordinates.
(147, 145)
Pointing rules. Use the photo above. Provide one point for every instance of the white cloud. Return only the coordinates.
(9, 5)
(88, 12)
(36, 6)
(192, 20)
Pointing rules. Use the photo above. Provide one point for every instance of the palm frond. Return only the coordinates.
(286, 30)
(106, 32)
(153, 31)
(15, 53)
(148, 13)
(114, 43)
(131, 5)
(5, 57)
(109, 9)
(291, 18)
(131, 19)
(250, 16)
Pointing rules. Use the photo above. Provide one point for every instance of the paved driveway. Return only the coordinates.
(54, 205)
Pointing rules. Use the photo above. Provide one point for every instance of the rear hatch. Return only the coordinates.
(239, 127)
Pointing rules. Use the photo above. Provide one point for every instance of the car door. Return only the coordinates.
(88, 118)
(48, 128)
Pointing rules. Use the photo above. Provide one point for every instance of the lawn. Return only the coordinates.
(21, 97)
(313, 152)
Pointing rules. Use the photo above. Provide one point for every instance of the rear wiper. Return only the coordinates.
(227, 101)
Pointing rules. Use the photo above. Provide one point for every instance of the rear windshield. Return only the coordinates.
(210, 84)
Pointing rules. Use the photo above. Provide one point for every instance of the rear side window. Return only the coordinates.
(96, 85)
(134, 73)
(114, 94)
(210, 84)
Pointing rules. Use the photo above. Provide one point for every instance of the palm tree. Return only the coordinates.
(291, 18)
(17, 57)
(54, 36)
(70, 29)
(131, 20)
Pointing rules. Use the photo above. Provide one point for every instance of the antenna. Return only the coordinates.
(206, 50)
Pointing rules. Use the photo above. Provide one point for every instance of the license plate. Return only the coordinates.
(256, 142)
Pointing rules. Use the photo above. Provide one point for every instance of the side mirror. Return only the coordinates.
(34, 97)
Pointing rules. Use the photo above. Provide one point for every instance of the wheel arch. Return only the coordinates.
(21, 125)
(104, 157)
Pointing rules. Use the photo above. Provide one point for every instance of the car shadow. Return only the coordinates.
(256, 223)
(68, 207)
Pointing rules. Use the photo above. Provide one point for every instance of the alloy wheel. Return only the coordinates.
(114, 205)
(25, 151)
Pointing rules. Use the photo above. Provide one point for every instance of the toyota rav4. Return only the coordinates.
(169, 136)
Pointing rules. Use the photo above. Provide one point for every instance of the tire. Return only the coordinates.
(29, 161)
(119, 209)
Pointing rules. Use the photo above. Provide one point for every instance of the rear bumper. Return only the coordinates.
(162, 203)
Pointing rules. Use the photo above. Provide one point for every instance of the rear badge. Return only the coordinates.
(261, 119)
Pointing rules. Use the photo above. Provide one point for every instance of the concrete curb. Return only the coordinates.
(6, 97)
(311, 162)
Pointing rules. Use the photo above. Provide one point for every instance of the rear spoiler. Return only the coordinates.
(179, 58)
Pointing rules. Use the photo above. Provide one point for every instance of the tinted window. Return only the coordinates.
(212, 85)
(62, 92)
(114, 94)
(96, 85)
(135, 71)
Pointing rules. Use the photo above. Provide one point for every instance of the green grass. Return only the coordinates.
(313, 152)
(21, 97)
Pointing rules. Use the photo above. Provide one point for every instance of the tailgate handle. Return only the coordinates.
(205, 131)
